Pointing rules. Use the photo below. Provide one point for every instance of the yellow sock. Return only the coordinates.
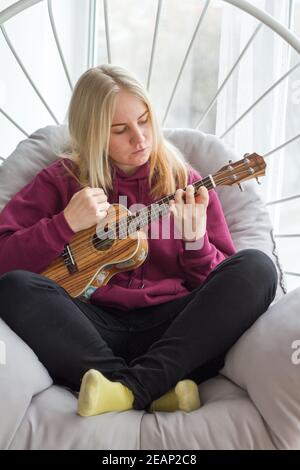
(185, 397)
(99, 395)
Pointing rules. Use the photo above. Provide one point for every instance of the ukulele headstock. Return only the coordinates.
(249, 167)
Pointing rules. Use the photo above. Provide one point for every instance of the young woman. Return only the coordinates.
(166, 324)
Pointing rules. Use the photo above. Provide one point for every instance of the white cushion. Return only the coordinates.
(247, 217)
(31, 155)
(22, 376)
(57, 426)
(227, 420)
(265, 361)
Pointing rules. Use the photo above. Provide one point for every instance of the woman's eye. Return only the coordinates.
(121, 131)
(141, 122)
(144, 122)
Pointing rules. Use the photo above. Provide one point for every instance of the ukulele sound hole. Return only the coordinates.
(104, 238)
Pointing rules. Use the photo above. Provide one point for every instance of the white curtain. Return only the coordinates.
(272, 122)
(32, 38)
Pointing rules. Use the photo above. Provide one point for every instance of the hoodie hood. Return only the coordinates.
(141, 172)
(135, 187)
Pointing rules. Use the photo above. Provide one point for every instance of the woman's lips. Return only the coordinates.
(139, 151)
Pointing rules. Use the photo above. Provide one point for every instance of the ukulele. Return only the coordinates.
(117, 243)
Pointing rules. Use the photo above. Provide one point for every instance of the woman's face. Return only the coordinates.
(131, 131)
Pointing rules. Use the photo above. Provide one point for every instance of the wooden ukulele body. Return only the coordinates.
(89, 262)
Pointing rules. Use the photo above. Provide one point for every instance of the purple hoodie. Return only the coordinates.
(33, 232)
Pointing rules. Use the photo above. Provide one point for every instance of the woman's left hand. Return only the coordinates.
(189, 212)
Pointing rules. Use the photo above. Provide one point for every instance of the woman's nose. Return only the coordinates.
(137, 136)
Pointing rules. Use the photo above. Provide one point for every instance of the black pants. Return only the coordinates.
(149, 349)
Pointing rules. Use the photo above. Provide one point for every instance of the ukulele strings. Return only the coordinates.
(113, 231)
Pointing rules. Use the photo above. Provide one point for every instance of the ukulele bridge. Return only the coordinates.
(69, 260)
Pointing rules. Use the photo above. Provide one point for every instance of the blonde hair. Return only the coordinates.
(90, 116)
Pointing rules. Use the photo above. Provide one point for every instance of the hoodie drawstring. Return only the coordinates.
(115, 188)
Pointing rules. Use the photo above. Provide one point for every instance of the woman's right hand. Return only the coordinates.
(86, 208)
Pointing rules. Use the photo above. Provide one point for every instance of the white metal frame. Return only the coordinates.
(244, 5)
(263, 17)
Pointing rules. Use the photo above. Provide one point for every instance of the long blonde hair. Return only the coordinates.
(90, 117)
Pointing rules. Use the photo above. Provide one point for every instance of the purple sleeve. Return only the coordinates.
(33, 229)
(199, 258)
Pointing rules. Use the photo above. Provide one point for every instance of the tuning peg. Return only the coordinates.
(245, 157)
(230, 168)
(258, 182)
(241, 187)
